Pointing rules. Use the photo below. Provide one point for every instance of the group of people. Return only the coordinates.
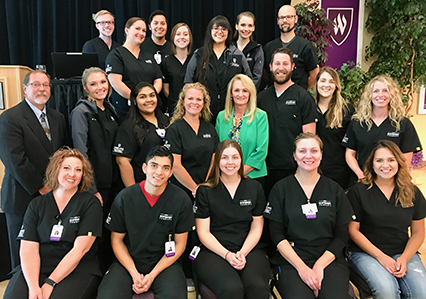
(178, 157)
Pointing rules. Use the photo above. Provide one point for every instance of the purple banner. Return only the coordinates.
(344, 38)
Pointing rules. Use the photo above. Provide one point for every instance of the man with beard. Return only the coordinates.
(304, 53)
(291, 111)
(29, 133)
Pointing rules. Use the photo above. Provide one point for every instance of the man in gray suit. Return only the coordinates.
(29, 133)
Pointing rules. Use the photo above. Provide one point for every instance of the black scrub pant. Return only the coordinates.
(14, 223)
(117, 283)
(75, 286)
(335, 284)
(226, 282)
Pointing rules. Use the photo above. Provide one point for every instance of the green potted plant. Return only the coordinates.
(314, 25)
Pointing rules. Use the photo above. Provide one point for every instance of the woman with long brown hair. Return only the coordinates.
(229, 225)
(334, 116)
(387, 205)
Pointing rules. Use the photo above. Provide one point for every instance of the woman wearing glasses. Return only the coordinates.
(216, 63)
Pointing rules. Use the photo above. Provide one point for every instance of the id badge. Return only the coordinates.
(157, 57)
(170, 248)
(310, 210)
(194, 253)
(56, 233)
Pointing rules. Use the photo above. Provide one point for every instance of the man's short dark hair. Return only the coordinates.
(159, 151)
(282, 51)
(156, 13)
(28, 75)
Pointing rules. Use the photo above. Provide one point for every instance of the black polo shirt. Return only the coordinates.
(230, 218)
(148, 228)
(381, 222)
(196, 150)
(82, 216)
(311, 237)
(361, 140)
(286, 116)
(333, 163)
(127, 145)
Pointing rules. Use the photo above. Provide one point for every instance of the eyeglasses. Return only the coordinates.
(38, 85)
(283, 18)
(103, 23)
(216, 29)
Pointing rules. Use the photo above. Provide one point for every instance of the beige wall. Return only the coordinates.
(419, 121)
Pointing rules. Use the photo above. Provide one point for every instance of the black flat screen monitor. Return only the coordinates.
(72, 64)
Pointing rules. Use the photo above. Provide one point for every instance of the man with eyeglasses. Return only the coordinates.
(304, 54)
(30, 133)
(103, 44)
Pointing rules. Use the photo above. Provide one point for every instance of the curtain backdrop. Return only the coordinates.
(31, 29)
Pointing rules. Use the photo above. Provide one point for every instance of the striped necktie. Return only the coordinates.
(44, 126)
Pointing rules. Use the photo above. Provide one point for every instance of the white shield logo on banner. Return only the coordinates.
(343, 20)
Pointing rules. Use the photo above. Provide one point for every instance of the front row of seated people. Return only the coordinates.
(310, 221)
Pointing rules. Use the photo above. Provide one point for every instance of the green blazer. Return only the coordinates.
(254, 138)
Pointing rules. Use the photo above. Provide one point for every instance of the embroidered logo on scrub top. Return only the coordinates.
(345, 139)
(108, 68)
(268, 209)
(245, 202)
(234, 63)
(148, 61)
(324, 203)
(166, 217)
(207, 136)
(74, 220)
(21, 232)
(393, 134)
(118, 149)
(167, 144)
(290, 102)
(108, 220)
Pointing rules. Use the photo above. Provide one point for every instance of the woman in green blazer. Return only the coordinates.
(243, 122)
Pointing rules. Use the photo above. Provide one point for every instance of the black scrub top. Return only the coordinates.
(230, 218)
(148, 228)
(97, 45)
(381, 222)
(158, 52)
(286, 116)
(109, 124)
(82, 216)
(311, 237)
(174, 73)
(361, 140)
(333, 163)
(133, 70)
(196, 150)
(127, 145)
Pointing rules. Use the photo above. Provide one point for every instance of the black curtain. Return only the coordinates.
(31, 29)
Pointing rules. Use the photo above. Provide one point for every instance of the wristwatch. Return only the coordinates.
(50, 282)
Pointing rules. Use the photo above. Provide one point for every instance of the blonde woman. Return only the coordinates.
(334, 116)
(191, 138)
(386, 205)
(243, 122)
(379, 115)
